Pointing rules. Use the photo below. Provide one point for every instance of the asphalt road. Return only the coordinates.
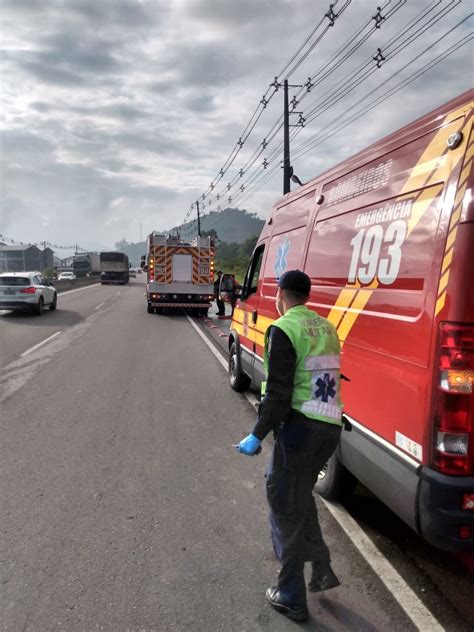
(124, 507)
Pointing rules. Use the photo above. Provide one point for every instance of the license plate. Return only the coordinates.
(8, 291)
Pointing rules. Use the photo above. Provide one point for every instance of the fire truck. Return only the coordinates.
(180, 273)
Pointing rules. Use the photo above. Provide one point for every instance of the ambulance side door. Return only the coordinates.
(249, 305)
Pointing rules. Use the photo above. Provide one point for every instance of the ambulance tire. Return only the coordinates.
(150, 309)
(239, 380)
(335, 482)
(203, 312)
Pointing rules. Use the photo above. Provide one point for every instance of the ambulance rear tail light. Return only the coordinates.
(453, 445)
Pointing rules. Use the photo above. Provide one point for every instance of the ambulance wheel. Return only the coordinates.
(203, 312)
(239, 381)
(335, 482)
(150, 309)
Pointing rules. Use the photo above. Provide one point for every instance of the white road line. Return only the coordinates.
(117, 293)
(393, 581)
(40, 344)
(99, 305)
(212, 348)
(79, 289)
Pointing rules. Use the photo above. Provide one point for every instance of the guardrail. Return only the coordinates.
(70, 284)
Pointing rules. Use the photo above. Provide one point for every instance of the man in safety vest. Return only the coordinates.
(302, 406)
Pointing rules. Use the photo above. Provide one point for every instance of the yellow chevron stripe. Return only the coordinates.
(451, 238)
(455, 217)
(350, 317)
(421, 205)
(465, 171)
(440, 303)
(443, 282)
(447, 261)
(342, 303)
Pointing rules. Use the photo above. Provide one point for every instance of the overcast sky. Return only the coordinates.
(122, 112)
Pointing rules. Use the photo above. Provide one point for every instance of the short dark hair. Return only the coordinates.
(296, 297)
(219, 272)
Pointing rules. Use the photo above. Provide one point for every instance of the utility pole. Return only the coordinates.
(199, 218)
(287, 168)
(286, 141)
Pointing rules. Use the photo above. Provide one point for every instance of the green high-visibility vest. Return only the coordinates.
(317, 381)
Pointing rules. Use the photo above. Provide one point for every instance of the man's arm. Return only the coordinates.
(276, 404)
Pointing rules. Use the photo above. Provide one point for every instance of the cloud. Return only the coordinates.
(124, 111)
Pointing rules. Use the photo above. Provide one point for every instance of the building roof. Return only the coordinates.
(17, 247)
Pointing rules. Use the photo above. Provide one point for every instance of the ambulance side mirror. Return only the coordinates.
(143, 265)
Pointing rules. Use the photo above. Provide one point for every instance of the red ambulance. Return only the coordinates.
(387, 238)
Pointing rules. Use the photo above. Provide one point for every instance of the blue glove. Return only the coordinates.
(250, 445)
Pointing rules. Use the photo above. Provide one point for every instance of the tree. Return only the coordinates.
(210, 233)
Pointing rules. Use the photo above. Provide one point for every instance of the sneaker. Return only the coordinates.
(295, 613)
(322, 579)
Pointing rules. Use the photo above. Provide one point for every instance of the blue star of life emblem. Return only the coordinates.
(281, 255)
(325, 388)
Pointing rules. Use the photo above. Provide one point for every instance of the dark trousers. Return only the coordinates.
(301, 448)
(220, 306)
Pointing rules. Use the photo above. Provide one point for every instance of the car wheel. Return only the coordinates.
(239, 380)
(40, 307)
(54, 304)
(335, 482)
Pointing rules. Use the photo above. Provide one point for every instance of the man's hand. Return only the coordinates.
(250, 445)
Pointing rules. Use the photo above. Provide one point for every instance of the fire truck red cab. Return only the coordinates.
(387, 238)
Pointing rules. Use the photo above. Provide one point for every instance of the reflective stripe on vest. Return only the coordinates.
(317, 381)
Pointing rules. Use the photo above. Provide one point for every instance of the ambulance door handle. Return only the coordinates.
(254, 317)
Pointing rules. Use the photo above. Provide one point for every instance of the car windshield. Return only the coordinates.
(11, 280)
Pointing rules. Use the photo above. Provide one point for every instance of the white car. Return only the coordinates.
(67, 276)
(26, 291)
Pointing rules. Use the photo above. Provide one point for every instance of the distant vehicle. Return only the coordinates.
(139, 271)
(115, 267)
(180, 274)
(26, 291)
(132, 273)
(67, 276)
(86, 264)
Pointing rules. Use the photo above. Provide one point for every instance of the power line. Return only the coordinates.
(348, 86)
(327, 134)
(375, 20)
(415, 28)
(431, 46)
(331, 16)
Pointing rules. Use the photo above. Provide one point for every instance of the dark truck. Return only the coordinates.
(114, 267)
(86, 264)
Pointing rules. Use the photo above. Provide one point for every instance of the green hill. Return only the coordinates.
(232, 225)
